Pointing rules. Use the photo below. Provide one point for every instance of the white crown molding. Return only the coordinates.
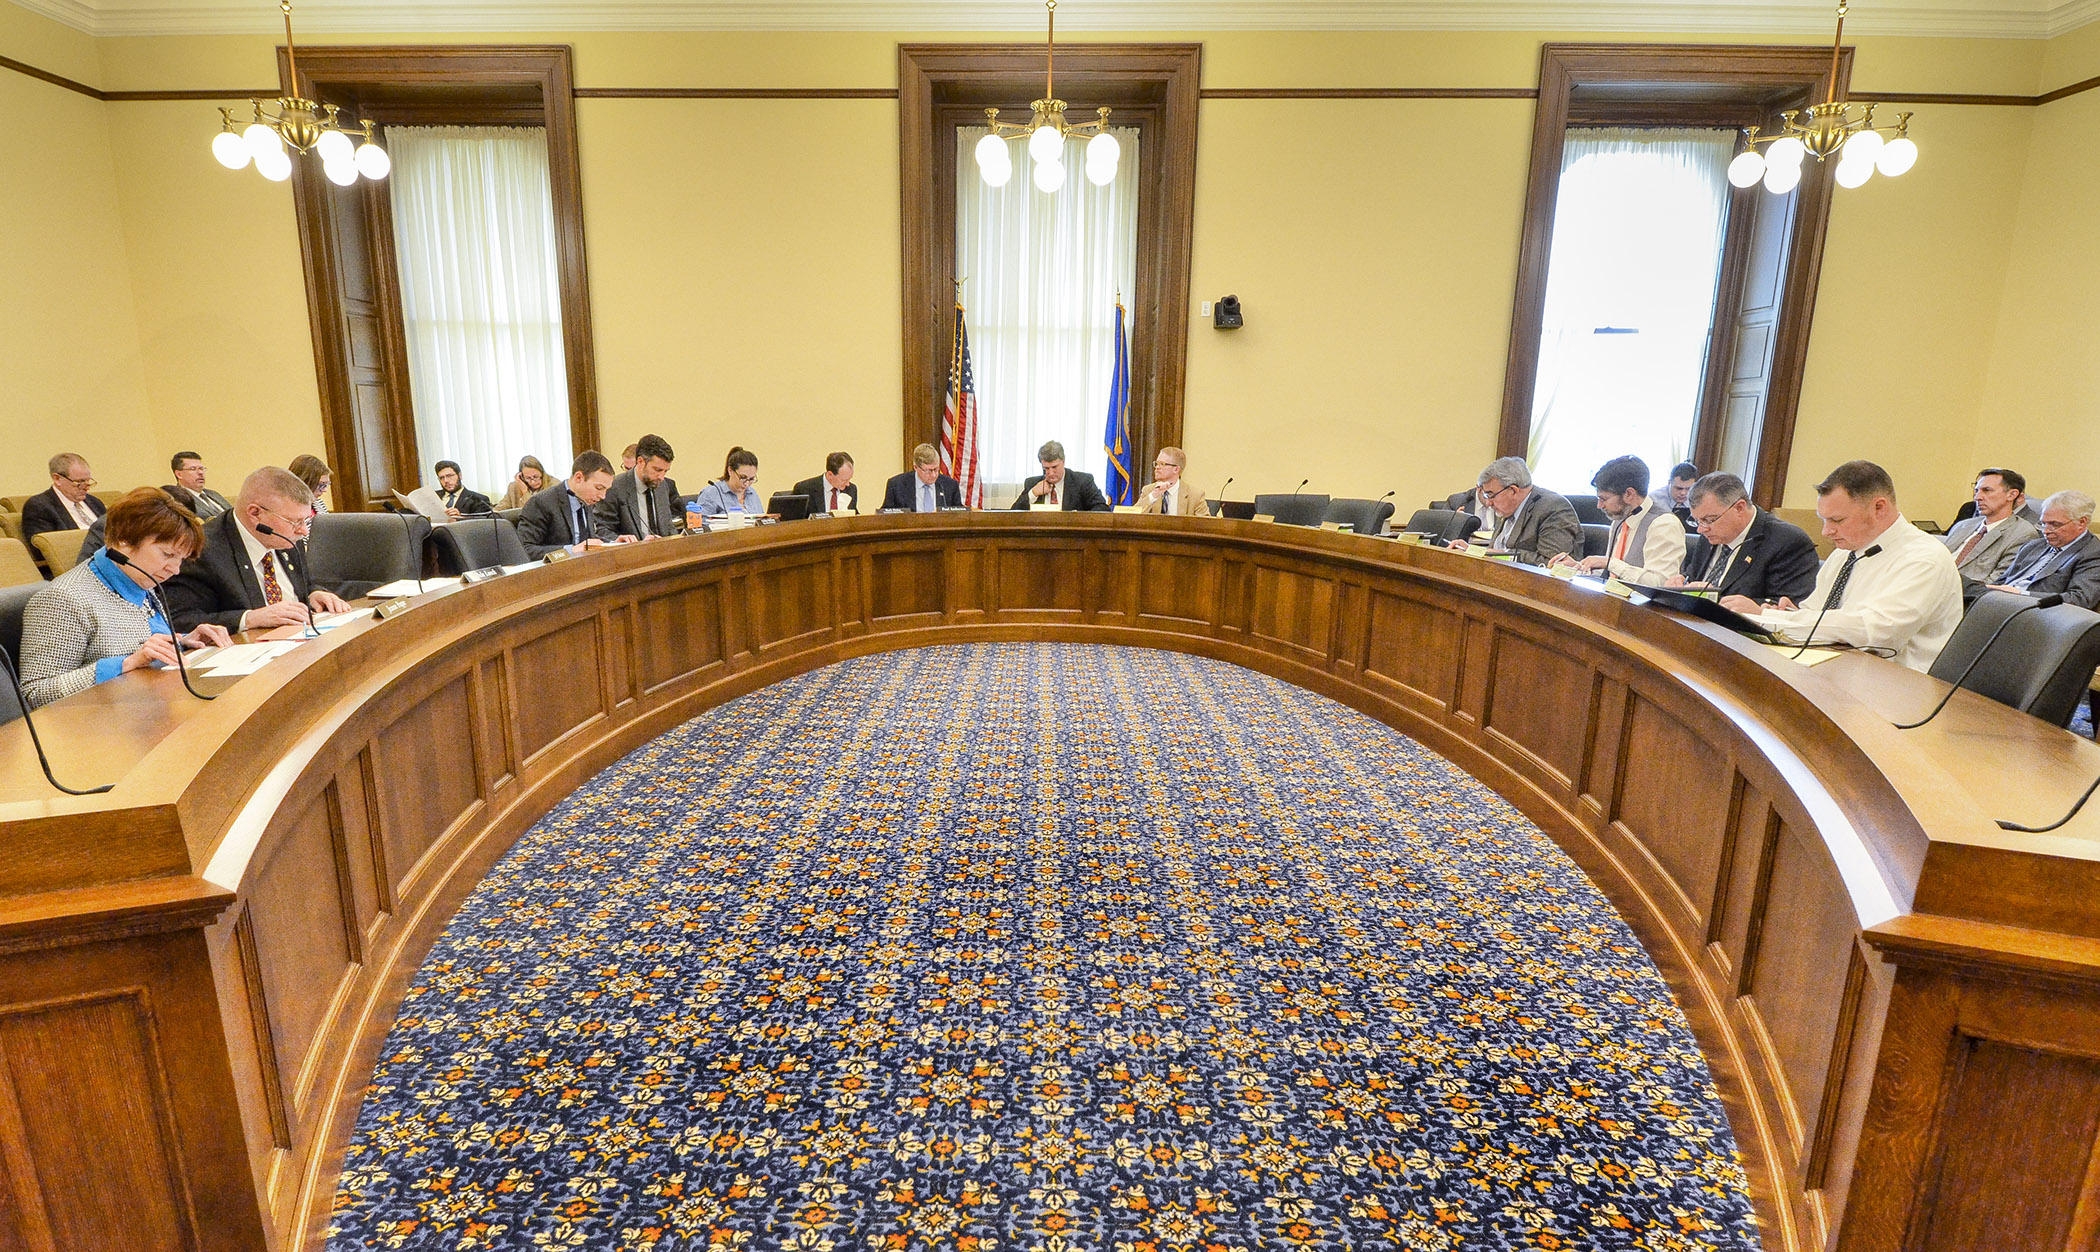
(2008, 19)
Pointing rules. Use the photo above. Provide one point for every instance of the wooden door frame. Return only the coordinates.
(1156, 85)
(1686, 85)
(439, 85)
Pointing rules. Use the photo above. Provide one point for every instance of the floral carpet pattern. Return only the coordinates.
(1038, 946)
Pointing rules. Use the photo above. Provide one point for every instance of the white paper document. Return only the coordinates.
(410, 587)
(425, 501)
(239, 659)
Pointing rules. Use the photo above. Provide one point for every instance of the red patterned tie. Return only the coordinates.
(1053, 493)
(272, 592)
(834, 499)
(1970, 546)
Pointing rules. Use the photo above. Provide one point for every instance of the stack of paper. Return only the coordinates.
(411, 587)
(239, 659)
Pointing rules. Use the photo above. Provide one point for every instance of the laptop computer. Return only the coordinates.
(791, 506)
(1709, 610)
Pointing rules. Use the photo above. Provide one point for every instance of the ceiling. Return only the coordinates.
(2015, 19)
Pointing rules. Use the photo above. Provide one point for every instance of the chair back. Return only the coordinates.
(1586, 510)
(1596, 538)
(17, 567)
(1366, 517)
(13, 504)
(477, 544)
(2043, 662)
(1456, 501)
(1443, 525)
(60, 549)
(511, 515)
(10, 524)
(110, 497)
(1979, 623)
(351, 553)
(13, 602)
(1293, 510)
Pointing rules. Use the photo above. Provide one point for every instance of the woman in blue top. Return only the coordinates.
(102, 618)
(733, 491)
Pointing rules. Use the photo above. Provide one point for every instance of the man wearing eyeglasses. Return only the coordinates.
(2065, 560)
(1168, 494)
(1742, 550)
(251, 574)
(1533, 524)
(67, 505)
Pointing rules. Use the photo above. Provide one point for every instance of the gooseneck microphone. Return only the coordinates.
(2043, 830)
(1812, 627)
(311, 633)
(22, 697)
(2043, 602)
(166, 616)
(408, 527)
(1217, 508)
(1301, 486)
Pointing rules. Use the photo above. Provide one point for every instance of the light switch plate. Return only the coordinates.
(1206, 308)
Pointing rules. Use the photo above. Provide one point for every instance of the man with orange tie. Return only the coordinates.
(251, 573)
(1647, 543)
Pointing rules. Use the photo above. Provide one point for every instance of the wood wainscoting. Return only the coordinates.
(197, 968)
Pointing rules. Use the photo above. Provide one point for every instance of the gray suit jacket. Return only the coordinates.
(1544, 527)
(2075, 571)
(543, 524)
(1995, 553)
(620, 512)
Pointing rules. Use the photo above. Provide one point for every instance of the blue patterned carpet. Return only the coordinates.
(885, 957)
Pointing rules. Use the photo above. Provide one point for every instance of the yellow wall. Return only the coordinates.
(745, 280)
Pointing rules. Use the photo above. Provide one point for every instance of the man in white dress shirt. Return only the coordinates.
(1889, 587)
(1647, 542)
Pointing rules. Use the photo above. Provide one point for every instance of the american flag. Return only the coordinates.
(959, 421)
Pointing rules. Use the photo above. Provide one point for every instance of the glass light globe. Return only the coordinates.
(1780, 179)
(997, 175)
(991, 153)
(1101, 173)
(334, 146)
(341, 173)
(261, 139)
(1046, 145)
(1786, 151)
(1104, 148)
(1897, 156)
(274, 165)
(230, 150)
(1746, 169)
(1864, 146)
(1853, 172)
(372, 161)
(1049, 175)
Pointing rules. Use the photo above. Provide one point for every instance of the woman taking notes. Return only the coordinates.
(102, 618)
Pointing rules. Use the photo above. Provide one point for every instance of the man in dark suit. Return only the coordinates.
(189, 489)
(832, 491)
(560, 517)
(922, 488)
(459, 501)
(67, 505)
(251, 574)
(1532, 524)
(2065, 560)
(642, 503)
(1070, 490)
(1741, 550)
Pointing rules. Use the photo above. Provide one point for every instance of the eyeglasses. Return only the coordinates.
(1489, 495)
(297, 525)
(1164, 465)
(745, 477)
(80, 482)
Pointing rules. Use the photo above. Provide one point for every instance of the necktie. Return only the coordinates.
(1718, 568)
(1970, 546)
(273, 591)
(925, 497)
(1625, 533)
(834, 499)
(649, 510)
(1836, 598)
(1053, 494)
(575, 520)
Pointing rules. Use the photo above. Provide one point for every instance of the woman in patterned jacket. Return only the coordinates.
(102, 618)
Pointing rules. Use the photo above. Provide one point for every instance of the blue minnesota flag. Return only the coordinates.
(1117, 439)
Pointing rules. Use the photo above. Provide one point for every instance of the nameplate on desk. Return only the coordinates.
(559, 554)
(473, 576)
(392, 608)
(1264, 517)
(1046, 508)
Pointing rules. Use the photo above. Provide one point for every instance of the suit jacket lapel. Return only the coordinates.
(251, 582)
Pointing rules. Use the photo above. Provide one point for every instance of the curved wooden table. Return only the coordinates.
(1900, 1003)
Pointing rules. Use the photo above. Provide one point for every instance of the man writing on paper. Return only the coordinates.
(1646, 544)
(1742, 550)
(1533, 523)
(560, 518)
(643, 502)
(1169, 495)
(922, 488)
(251, 573)
(1889, 587)
(832, 491)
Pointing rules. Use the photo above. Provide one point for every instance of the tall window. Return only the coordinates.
(480, 297)
(1044, 272)
(1638, 230)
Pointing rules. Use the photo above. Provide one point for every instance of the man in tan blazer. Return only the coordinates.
(1168, 494)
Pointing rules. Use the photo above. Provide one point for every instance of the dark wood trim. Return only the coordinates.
(1922, 97)
(2077, 88)
(736, 93)
(133, 97)
(1370, 93)
(56, 80)
(1658, 78)
(1728, 312)
(505, 85)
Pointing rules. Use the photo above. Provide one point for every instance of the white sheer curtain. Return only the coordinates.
(1043, 271)
(474, 234)
(1636, 253)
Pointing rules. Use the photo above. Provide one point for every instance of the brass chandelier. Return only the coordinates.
(303, 126)
(1826, 128)
(1046, 130)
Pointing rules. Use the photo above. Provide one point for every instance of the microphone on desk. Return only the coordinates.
(1217, 509)
(1811, 638)
(22, 698)
(409, 528)
(1301, 486)
(308, 622)
(180, 668)
(2043, 830)
(2041, 602)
